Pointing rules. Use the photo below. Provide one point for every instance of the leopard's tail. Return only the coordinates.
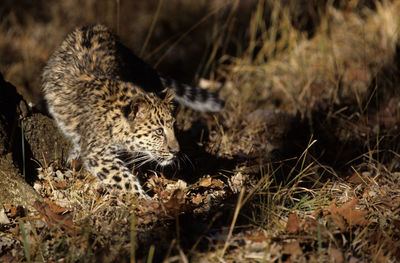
(194, 97)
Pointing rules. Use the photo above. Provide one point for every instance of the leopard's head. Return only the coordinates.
(151, 122)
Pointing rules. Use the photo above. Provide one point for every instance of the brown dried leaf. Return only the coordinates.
(55, 208)
(198, 199)
(355, 179)
(348, 212)
(353, 216)
(256, 237)
(293, 223)
(175, 204)
(338, 220)
(52, 219)
(205, 182)
(216, 183)
(60, 185)
(332, 208)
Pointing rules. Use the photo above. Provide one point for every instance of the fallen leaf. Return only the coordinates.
(217, 183)
(256, 237)
(349, 213)
(198, 199)
(355, 179)
(52, 219)
(55, 208)
(60, 185)
(293, 223)
(205, 182)
(353, 216)
(338, 220)
(176, 204)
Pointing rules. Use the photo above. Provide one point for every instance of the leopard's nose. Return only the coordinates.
(173, 150)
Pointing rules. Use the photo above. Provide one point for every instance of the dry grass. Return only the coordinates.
(301, 166)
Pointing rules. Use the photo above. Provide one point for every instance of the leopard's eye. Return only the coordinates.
(159, 131)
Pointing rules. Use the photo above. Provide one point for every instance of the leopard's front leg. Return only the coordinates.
(112, 171)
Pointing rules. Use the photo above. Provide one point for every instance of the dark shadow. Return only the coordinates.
(137, 71)
(12, 108)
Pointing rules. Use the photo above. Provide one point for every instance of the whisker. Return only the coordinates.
(157, 164)
(186, 159)
(144, 162)
(135, 160)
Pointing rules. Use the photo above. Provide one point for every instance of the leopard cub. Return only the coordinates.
(99, 101)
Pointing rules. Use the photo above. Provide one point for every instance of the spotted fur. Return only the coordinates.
(107, 101)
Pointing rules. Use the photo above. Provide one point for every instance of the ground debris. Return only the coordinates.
(56, 217)
(348, 212)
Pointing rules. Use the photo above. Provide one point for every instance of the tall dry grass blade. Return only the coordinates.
(235, 216)
(150, 32)
(25, 241)
(133, 235)
(150, 255)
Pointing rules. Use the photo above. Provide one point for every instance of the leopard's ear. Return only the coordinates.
(169, 95)
(138, 109)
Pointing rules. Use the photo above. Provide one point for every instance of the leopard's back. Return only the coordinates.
(76, 79)
(86, 55)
